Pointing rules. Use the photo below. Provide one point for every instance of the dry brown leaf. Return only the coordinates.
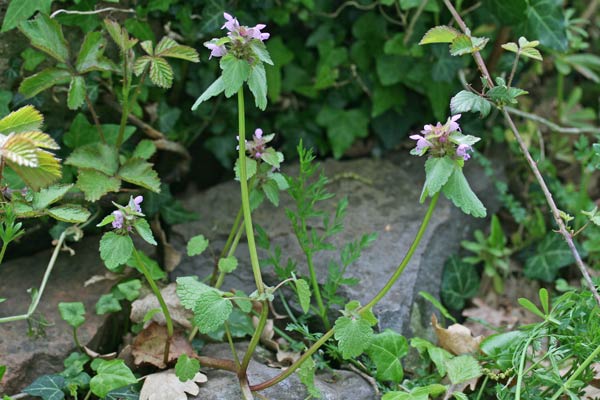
(505, 316)
(149, 345)
(284, 358)
(457, 339)
(166, 385)
(109, 276)
(179, 315)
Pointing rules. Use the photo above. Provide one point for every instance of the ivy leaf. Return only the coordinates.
(72, 213)
(235, 73)
(46, 34)
(19, 11)
(465, 101)
(48, 387)
(49, 195)
(457, 190)
(97, 156)
(140, 172)
(124, 393)
(196, 245)
(462, 369)
(143, 229)
(306, 373)
(460, 282)
(257, 82)
(186, 368)
(95, 184)
(130, 289)
(45, 79)
(228, 264)
(437, 173)
(110, 375)
(216, 88)
(190, 289)
(545, 20)
(386, 350)
(115, 249)
(211, 311)
(354, 336)
(25, 119)
(76, 93)
(91, 54)
(303, 291)
(440, 34)
(551, 254)
(73, 313)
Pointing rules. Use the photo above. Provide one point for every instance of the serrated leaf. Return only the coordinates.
(52, 194)
(110, 375)
(140, 172)
(115, 249)
(211, 311)
(196, 245)
(251, 166)
(550, 255)
(354, 336)
(24, 119)
(228, 264)
(257, 82)
(306, 373)
(76, 93)
(465, 101)
(511, 46)
(144, 149)
(48, 170)
(439, 34)
(119, 35)
(91, 54)
(235, 72)
(161, 73)
(97, 156)
(143, 229)
(19, 11)
(95, 184)
(532, 53)
(46, 34)
(462, 369)
(167, 47)
(437, 173)
(460, 282)
(48, 387)
(457, 190)
(141, 64)
(190, 289)
(45, 79)
(216, 88)
(502, 94)
(386, 350)
(69, 213)
(260, 50)
(186, 368)
(464, 44)
(72, 313)
(303, 291)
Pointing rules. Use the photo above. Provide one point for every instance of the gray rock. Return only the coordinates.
(223, 385)
(27, 358)
(389, 206)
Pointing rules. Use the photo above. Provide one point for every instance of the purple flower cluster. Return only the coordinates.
(441, 140)
(258, 145)
(122, 218)
(239, 36)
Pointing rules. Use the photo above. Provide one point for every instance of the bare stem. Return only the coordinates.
(101, 10)
(532, 164)
(514, 68)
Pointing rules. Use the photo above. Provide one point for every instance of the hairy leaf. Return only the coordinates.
(196, 245)
(457, 189)
(72, 213)
(76, 94)
(211, 311)
(21, 10)
(24, 119)
(437, 173)
(46, 35)
(462, 369)
(140, 172)
(167, 47)
(235, 72)
(186, 368)
(257, 82)
(72, 313)
(96, 156)
(115, 249)
(440, 34)
(52, 194)
(91, 54)
(354, 336)
(95, 184)
(216, 88)
(465, 101)
(143, 229)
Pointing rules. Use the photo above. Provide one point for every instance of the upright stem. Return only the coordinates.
(230, 252)
(407, 257)
(560, 97)
(577, 372)
(532, 164)
(4, 246)
(316, 289)
(161, 301)
(514, 68)
(247, 215)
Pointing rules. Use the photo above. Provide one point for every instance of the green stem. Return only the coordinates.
(317, 290)
(76, 339)
(522, 365)
(483, 385)
(161, 301)
(234, 244)
(415, 244)
(37, 298)
(4, 246)
(514, 68)
(231, 345)
(560, 86)
(247, 215)
(234, 228)
(577, 372)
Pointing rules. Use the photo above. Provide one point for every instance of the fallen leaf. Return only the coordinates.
(109, 276)
(179, 315)
(505, 316)
(284, 358)
(149, 345)
(93, 354)
(166, 385)
(457, 339)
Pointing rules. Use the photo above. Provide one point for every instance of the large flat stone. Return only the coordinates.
(389, 205)
(27, 358)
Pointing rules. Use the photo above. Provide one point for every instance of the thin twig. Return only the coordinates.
(562, 229)
(590, 11)
(354, 4)
(99, 11)
(90, 107)
(550, 124)
(413, 21)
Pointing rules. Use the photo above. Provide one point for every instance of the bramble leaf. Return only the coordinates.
(45, 79)
(72, 213)
(167, 47)
(19, 11)
(76, 93)
(49, 195)
(97, 156)
(91, 54)
(440, 34)
(462, 369)
(94, 184)
(46, 34)
(25, 119)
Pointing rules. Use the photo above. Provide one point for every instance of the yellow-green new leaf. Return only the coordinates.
(48, 170)
(119, 35)
(440, 34)
(161, 73)
(24, 119)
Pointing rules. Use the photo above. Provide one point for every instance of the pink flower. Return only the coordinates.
(258, 133)
(231, 23)
(462, 150)
(118, 221)
(452, 124)
(136, 203)
(215, 50)
(422, 143)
